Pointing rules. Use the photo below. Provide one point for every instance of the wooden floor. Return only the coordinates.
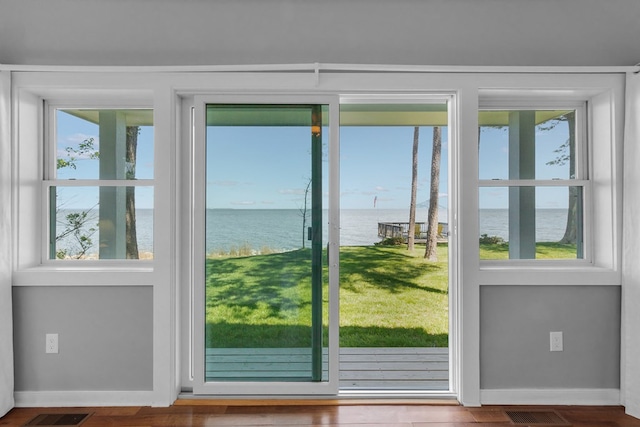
(360, 368)
(400, 415)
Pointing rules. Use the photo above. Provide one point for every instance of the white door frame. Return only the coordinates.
(200, 386)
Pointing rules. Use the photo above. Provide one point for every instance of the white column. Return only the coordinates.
(631, 250)
(113, 140)
(522, 200)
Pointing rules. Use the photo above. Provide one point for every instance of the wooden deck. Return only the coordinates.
(360, 368)
(401, 229)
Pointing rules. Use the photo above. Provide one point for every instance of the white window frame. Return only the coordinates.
(582, 179)
(34, 139)
(601, 216)
(50, 179)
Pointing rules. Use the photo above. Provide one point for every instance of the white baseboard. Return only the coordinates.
(553, 396)
(632, 409)
(44, 399)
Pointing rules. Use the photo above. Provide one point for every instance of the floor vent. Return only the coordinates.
(58, 420)
(543, 417)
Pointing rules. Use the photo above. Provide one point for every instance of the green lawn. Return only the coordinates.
(388, 298)
(544, 250)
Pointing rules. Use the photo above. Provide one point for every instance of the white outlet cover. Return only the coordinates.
(51, 344)
(556, 341)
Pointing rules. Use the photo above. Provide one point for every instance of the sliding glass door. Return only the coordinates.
(395, 246)
(264, 266)
(282, 269)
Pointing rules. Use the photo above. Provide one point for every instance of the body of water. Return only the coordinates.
(282, 229)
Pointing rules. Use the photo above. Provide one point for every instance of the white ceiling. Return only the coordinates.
(421, 32)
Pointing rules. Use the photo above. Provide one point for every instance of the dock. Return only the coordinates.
(388, 230)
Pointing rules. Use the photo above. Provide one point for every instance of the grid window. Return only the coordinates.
(533, 184)
(99, 184)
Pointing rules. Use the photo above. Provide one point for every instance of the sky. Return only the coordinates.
(375, 165)
(269, 167)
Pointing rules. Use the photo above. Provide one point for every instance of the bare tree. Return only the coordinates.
(432, 220)
(130, 198)
(303, 213)
(414, 190)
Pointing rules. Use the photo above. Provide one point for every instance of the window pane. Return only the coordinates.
(101, 223)
(264, 239)
(529, 222)
(527, 144)
(104, 144)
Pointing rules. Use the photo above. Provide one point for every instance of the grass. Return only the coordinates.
(544, 250)
(389, 297)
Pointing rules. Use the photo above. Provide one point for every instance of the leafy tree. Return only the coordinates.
(74, 225)
(567, 153)
(85, 150)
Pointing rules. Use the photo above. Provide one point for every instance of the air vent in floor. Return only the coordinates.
(58, 420)
(543, 417)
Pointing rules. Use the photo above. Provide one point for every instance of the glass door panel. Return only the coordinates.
(394, 253)
(264, 281)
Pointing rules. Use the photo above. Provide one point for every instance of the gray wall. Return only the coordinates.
(515, 322)
(432, 32)
(106, 332)
(105, 338)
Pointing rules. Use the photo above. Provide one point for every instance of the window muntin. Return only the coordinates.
(533, 184)
(99, 184)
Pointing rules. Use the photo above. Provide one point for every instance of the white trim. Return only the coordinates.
(98, 183)
(44, 399)
(6, 252)
(465, 233)
(545, 273)
(553, 396)
(164, 89)
(533, 182)
(317, 68)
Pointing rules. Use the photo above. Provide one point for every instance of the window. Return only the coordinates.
(533, 184)
(99, 184)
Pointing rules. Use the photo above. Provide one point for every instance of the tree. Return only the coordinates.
(414, 189)
(303, 213)
(74, 225)
(432, 220)
(567, 153)
(130, 197)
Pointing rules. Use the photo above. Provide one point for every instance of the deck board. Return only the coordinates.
(383, 368)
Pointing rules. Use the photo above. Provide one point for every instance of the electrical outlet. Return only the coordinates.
(555, 339)
(52, 343)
